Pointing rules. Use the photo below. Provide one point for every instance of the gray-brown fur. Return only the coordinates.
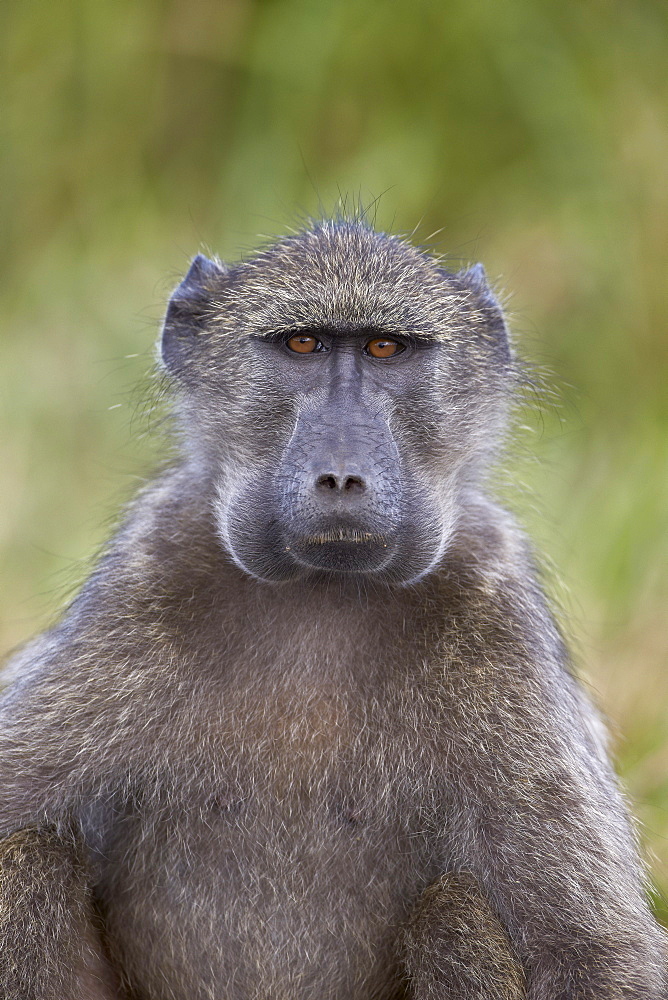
(264, 778)
(50, 934)
(455, 945)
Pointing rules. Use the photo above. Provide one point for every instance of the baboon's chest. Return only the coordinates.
(290, 877)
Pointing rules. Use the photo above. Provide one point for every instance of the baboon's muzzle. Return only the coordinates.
(342, 490)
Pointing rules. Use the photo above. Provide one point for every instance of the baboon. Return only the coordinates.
(309, 731)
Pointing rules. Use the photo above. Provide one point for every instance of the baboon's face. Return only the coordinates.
(340, 489)
(340, 405)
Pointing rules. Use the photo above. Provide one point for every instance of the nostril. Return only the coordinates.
(326, 482)
(344, 484)
(353, 484)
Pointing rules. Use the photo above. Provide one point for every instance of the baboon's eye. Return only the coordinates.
(381, 347)
(304, 343)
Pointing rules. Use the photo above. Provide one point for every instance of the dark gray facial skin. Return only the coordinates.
(309, 731)
(340, 499)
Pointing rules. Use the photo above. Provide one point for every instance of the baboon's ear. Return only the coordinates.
(188, 310)
(475, 280)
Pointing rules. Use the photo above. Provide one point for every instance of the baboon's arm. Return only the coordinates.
(456, 946)
(49, 945)
(565, 883)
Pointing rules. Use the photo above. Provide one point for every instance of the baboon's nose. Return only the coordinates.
(335, 484)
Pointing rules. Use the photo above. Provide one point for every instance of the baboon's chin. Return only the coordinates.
(375, 559)
(333, 548)
(343, 552)
(311, 557)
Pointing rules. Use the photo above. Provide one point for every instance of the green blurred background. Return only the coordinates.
(531, 135)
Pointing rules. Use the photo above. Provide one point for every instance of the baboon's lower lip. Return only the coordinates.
(347, 535)
(342, 549)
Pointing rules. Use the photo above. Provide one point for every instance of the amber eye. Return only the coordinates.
(383, 348)
(303, 343)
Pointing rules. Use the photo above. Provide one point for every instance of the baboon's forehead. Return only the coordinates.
(343, 275)
(335, 247)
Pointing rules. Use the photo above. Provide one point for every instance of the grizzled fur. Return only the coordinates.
(309, 729)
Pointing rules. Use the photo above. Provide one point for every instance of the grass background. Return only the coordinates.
(530, 135)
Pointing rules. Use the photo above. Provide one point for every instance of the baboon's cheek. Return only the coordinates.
(249, 530)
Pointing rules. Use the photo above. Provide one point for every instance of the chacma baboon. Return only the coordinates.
(309, 730)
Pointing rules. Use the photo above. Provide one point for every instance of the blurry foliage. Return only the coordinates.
(531, 135)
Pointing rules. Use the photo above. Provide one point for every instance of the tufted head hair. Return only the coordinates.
(337, 275)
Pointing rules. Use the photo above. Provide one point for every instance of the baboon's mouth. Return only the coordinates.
(342, 548)
(349, 535)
